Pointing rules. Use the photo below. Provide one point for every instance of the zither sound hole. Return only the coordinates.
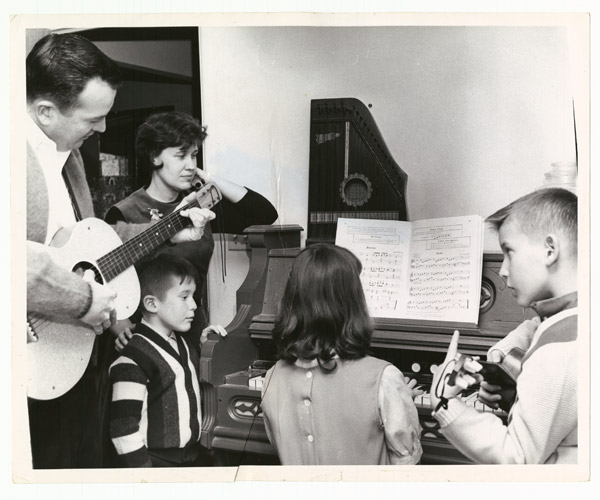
(356, 190)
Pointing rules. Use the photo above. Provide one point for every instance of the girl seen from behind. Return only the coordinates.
(326, 401)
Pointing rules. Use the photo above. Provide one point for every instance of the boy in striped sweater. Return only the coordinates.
(156, 411)
(538, 237)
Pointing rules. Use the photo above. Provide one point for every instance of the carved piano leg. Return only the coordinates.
(222, 356)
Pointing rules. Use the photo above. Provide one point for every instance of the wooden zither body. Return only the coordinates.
(352, 173)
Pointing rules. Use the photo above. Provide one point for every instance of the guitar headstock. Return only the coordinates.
(208, 195)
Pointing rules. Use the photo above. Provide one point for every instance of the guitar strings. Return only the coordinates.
(173, 222)
(120, 258)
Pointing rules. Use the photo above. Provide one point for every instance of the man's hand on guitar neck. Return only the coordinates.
(101, 314)
(199, 218)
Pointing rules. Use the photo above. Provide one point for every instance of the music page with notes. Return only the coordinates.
(423, 270)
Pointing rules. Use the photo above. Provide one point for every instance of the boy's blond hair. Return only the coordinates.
(549, 210)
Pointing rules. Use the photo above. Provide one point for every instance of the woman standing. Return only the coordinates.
(167, 145)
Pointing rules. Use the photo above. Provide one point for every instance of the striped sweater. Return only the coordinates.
(156, 398)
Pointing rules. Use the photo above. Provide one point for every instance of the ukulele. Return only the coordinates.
(468, 373)
(59, 357)
(504, 374)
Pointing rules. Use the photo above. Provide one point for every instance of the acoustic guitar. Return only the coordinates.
(61, 353)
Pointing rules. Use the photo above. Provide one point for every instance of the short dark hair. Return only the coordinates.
(166, 130)
(542, 212)
(158, 273)
(323, 310)
(60, 65)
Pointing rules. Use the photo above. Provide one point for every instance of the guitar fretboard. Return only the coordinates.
(118, 260)
(115, 262)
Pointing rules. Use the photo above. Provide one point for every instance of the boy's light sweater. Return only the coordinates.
(542, 424)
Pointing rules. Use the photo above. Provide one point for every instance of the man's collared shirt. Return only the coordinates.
(52, 161)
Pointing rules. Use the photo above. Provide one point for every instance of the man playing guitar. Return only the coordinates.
(71, 87)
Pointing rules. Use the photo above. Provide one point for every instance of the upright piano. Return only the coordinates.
(341, 184)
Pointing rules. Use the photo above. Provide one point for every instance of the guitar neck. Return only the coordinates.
(115, 262)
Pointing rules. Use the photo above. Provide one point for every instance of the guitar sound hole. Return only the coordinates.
(88, 271)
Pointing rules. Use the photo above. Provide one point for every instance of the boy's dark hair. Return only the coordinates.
(160, 131)
(60, 65)
(541, 212)
(323, 310)
(158, 274)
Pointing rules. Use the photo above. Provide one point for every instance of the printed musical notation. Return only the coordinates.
(439, 283)
(425, 276)
(427, 269)
(461, 260)
(431, 291)
(382, 276)
(437, 305)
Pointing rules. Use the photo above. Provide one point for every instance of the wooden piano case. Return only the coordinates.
(232, 423)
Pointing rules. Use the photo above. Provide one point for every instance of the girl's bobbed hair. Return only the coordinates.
(323, 311)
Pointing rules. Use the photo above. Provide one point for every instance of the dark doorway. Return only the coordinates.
(161, 72)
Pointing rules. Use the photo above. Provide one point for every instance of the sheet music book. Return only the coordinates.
(422, 270)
